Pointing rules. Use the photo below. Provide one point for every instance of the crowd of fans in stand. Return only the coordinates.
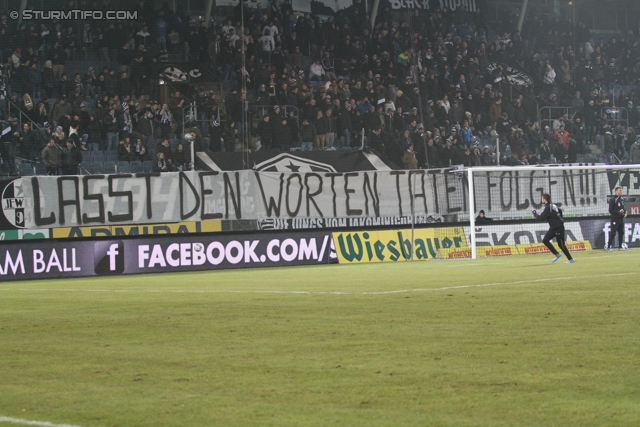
(113, 109)
(422, 90)
(431, 75)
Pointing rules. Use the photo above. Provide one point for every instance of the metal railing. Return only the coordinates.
(615, 115)
(528, 97)
(22, 114)
(549, 114)
(262, 110)
(607, 115)
(167, 85)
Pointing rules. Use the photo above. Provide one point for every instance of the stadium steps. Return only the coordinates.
(595, 149)
(81, 67)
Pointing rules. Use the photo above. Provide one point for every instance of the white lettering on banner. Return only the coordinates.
(250, 251)
(410, 4)
(60, 260)
(307, 251)
(314, 223)
(173, 262)
(218, 259)
(234, 259)
(235, 252)
(330, 198)
(426, 4)
(9, 263)
(636, 233)
(631, 232)
(270, 250)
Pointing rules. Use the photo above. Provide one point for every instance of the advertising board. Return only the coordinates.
(354, 247)
(194, 227)
(50, 259)
(188, 252)
(453, 242)
(598, 232)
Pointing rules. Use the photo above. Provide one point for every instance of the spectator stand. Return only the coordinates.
(197, 118)
(531, 103)
(200, 59)
(550, 114)
(23, 116)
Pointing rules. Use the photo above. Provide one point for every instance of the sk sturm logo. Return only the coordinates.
(175, 74)
(289, 163)
(514, 76)
(109, 258)
(13, 203)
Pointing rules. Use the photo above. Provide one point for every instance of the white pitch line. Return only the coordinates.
(237, 291)
(32, 422)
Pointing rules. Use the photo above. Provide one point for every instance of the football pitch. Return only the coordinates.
(513, 341)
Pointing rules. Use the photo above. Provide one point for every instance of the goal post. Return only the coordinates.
(509, 194)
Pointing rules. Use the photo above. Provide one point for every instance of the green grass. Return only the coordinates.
(513, 341)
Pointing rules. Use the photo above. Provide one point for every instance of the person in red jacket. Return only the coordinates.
(562, 135)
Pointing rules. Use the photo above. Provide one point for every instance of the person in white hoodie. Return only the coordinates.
(549, 75)
(588, 49)
(634, 152)
(268, 45)
(316, 71)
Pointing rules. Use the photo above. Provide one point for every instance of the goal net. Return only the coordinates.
(440, 212)
(506, 196)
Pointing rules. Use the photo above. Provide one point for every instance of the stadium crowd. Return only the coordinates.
(427, 89)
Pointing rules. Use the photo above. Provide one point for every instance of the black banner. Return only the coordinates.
(10, 207)
(48, 260)
(598, 232)
(296, 161)
(337, 223)
(452, 5)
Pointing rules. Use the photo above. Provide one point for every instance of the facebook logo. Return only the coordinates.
(109, 258)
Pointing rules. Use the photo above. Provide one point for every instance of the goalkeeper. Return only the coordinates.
(618, 213)
(553, 214)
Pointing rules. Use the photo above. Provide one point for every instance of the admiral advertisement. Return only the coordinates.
(195, 227)
(43, 202)
(46, 260)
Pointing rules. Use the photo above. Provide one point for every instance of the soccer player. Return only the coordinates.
(616, 209)
(553, 215)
